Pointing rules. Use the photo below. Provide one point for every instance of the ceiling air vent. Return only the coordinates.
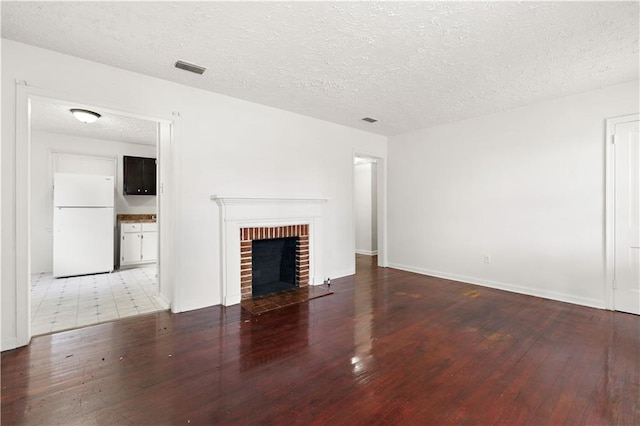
(369, 120)
(190, 67)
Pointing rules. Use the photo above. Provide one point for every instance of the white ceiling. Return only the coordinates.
(55, 117)
(408, 64)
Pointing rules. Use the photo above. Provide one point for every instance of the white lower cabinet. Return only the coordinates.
(130, 247)
(138, 243)
(149, 245)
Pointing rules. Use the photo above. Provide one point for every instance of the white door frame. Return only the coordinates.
(166, 263)
(382, 203)
(610, 224)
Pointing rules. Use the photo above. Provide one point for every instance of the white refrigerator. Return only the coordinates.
(83, 219)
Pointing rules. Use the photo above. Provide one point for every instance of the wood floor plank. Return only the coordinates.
(388, 347)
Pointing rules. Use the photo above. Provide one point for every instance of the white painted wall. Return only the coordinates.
(222, 146)
(43, 147)
(525, 187)
(365, 198)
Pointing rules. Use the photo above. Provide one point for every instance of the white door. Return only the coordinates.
(626, 296)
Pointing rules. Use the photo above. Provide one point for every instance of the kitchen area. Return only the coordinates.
(94, 239)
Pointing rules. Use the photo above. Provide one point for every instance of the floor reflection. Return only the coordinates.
(363, 328)
(262, 340)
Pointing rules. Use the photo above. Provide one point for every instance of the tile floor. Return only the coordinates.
(64, 303)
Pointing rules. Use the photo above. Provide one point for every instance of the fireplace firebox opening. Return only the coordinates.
(290, 239)
(273, 265)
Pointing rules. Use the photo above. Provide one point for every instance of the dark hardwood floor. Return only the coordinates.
(389, 347)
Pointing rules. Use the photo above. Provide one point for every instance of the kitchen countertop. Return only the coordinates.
(137, 218)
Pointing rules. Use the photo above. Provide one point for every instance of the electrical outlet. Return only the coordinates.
(487, 258)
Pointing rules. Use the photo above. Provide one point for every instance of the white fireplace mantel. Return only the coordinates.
(245, 212)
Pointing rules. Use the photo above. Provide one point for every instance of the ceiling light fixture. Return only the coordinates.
(84, 115)
(190, 67)
(369, 120)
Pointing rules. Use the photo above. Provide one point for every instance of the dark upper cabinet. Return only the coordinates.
(139, 176)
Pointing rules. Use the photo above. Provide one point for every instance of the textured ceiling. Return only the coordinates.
(408, 64)
(56, 118)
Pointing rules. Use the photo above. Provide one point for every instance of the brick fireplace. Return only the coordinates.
(248, 235)
(244, 220)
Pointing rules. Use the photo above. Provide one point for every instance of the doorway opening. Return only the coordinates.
(49, 144)
(623, 219)
(366, 207)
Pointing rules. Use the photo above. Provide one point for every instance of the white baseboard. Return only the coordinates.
(514, 288)
(343, 273)
(231, 300)
(367, 252)
(9, 343)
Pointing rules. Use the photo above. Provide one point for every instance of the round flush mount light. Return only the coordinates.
(84, 115)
